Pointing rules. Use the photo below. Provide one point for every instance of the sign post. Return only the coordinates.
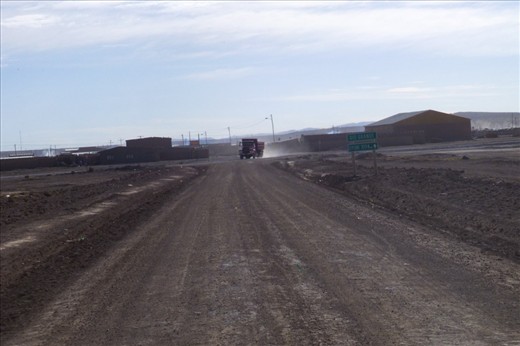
(375, 160)
(363, 141)
(354, 162)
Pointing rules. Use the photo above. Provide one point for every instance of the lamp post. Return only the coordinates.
(272, 125)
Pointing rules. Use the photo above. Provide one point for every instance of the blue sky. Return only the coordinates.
(90, 73)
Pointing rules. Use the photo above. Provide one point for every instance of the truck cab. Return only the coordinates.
(250, 148)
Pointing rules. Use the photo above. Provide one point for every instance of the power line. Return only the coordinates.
(246, 127)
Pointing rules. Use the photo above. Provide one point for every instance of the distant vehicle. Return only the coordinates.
(251, 148)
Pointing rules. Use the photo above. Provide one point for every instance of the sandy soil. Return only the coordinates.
(293, 251)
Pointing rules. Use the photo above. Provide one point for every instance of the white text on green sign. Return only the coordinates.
(361, 136)
(362, 147)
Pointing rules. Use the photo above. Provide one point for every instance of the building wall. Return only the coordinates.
(396, 139)
(184, 153)
(336, 141)
(150, 142)
(439, 132)
(437, 126)
(380, 128)
(121, 155)
(27, 163)
(223, 149)
(429, 126)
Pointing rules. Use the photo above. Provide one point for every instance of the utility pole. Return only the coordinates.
(182, 136)
(21, 140)
(272, 125)
(206, 136)
(229, 130)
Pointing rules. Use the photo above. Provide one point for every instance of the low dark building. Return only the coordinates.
(121, 155)
(27, 163)
(337, 141)
(150, 142)
(222, 149)
(184, 153)
(420, 127)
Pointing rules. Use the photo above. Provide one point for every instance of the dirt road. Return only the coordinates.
(250, 254)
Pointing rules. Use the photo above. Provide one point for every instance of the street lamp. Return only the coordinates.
(272, 125)
(205, 134)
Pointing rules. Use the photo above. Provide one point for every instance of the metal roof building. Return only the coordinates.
(423, 126)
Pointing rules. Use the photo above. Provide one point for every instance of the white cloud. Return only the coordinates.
(442, 28)
(33, 21)
(408, 90)
(442, 92)
(223, 73)
(401, 93)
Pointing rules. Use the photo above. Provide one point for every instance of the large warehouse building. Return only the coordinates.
(420, 127)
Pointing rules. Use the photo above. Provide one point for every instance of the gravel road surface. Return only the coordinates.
(250, 254)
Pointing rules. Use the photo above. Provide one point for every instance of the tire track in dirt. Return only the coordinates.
(397, 272)
(302, 310)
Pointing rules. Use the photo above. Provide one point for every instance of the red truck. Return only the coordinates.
(251, 148)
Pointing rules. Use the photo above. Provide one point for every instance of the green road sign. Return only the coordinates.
(361, 136)
(362, 147)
